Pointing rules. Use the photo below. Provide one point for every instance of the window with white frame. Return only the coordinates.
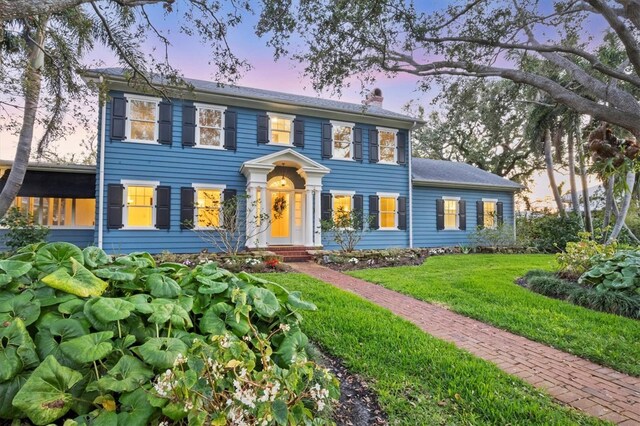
(139, 204)
(142, 119)
(490, 213)
(210, 128)
(59, 212)
(281, 128)
(387, 143)
(388, 211)
(342, 140)
(208, 205)
(342, 205)
(451, 212)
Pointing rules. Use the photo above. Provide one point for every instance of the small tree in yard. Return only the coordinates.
(22, 229)
(346, 228)
(493, 237)
(230, 231)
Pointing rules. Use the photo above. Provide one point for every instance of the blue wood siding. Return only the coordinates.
(425, 233)
(177, 167)
(80, 237)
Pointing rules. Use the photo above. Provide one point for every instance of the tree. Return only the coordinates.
(43, 46)
(346, 228)
(481, 123)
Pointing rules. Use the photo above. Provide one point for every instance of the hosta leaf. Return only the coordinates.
(81, 283)
(175, 411)
(137, 261)
(126, 376)
(292, 348)
(135, 409)
(5, 279)
(162, 286)
(105, 418)
(22, 306)
(88, 348)
(71, 306)
(17, 350)
(210, 285)
(141, 303)
(15, 268)
(295, 300)
(48, 339)
(265, 302)
(108, 309)
(45, 396)
(211, 323)
(161, 352)
(115, 274)
(53, 256)
(8, 391)
(95, 256)
(167, 310)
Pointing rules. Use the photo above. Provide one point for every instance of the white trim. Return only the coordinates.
(125, 209)
(445, 197)
(490, 200)
(388, 194)
(70, 228)
(395, 216)
(130, 182)
(280, 115)
(127, 125)
(291, 131)
(341, 192)
(223, 123)
(100, 200)
(335, 124)
(221, 187)
(456, 227)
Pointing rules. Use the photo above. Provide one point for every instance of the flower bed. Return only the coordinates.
(250, 261)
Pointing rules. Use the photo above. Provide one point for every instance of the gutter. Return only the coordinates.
(103, 135)
(461, 185)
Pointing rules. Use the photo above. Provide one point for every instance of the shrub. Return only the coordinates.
(548, 233)
(22, 229)
(580, 256)
(551, 286)
(128, 341)
(346, 228)
(500, 236)
(617, 273)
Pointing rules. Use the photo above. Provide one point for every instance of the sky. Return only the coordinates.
(191, 58)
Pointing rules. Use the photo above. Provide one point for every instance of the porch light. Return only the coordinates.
(283, 181)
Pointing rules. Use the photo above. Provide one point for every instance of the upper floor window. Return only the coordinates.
(451, 213)
(342, 141)
(489, 207)
(208, 205)
(388, 211)
(280, 128)
(210, 126)
(387, 144)
(142, 114)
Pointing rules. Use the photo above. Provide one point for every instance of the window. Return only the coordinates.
(297, 197)
(142, 118)
(210, 128)
(489, 207)
(342, 140)
(139, 206)
(387, 141)
(281, 129)
(388, 211)
(208, 207)
(451, 213)
(59, 212)
(342, 205)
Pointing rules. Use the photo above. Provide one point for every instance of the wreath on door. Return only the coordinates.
(279, 206)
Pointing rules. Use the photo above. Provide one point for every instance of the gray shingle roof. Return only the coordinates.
(271, 96)
(450, 173)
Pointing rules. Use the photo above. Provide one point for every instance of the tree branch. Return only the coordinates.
(20, 9)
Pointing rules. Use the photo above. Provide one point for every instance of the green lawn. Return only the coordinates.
(482, 287)
(420, 380)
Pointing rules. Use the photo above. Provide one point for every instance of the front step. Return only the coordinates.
(291, 253)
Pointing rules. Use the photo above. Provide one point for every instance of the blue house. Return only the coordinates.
(166, 165)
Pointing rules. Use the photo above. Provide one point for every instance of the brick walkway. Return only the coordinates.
(596, 390)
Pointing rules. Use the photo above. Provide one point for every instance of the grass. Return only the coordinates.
(420, 380)
(482, 287)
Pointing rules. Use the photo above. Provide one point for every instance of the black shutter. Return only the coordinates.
(163, 207)
(187, 206)
(230, 130)
(327, 140)
(373, 146)
(402, 213)
(228, 195)
(115, 196)
(165, 123)
(358, 208)
(357, 144)
(462, 215)
(188, 125)
(118, 117)
(500, 212)
(298, 133)
(439, 214)
(263, 128)
(374, 212)
(325, 206)
(480, 214)
(402, 148)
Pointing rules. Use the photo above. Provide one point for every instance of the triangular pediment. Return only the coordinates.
(287, 157)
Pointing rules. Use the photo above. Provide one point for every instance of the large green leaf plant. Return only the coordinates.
(88, 338)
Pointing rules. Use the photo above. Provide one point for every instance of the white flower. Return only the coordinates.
(354, 261)
(285, 327)
(188, 406)
(180, 359)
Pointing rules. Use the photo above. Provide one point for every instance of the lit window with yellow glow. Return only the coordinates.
(450, 214)
(209, 132)
(298, 209)
(388, 213)
(58, 212)
(208, 207)
(489, 214)
(387, 146)
(341, 207)
(142, 119)
(281, 129)
(140, 206)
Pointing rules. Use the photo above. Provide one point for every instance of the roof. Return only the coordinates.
(269, 96)
(454, 174)
(55, 167)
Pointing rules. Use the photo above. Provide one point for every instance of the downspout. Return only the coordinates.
(410, 154)
(101, 172)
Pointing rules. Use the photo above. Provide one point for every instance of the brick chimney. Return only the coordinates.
(374, 98)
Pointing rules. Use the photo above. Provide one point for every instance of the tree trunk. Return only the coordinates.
(32, 85)
(575, 200)
(621, 217)
(548, 159)
(608, 201)
(588, 222)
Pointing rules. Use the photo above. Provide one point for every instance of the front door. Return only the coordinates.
(280, 229)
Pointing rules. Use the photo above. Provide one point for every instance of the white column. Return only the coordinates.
(263, 213)
(308, 218)
(251, 217)
(317, 211)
